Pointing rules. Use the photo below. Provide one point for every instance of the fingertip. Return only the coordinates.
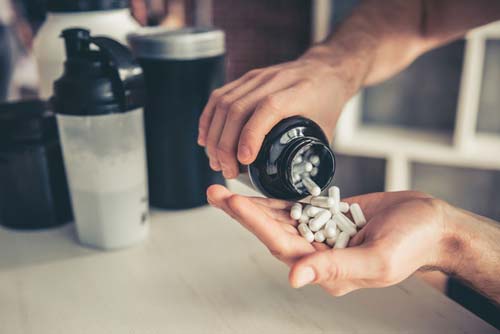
(245, 155)
(217, 193)
(215, 165)
(301, 275)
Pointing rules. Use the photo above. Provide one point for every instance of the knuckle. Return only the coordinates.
(286, 74)
(333, 273)
(236, 109)
(211, 143)
(305, 84)
(271, 104)
(224, 151)
(253, 73)
(224, 102)
(216, 94)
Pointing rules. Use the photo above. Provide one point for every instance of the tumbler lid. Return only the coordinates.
(67, 6)
(23, 121)
(179, 44)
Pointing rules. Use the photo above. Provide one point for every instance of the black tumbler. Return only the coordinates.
(33, 188)
(181, 68)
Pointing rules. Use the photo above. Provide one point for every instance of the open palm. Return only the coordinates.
(403, 234)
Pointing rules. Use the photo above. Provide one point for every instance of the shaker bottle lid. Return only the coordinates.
(178, 44)
(100, 76)
(64, 6)
(23, 121)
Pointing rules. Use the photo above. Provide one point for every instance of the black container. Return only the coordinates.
(33, 188)
(181, 68)
(271, 172)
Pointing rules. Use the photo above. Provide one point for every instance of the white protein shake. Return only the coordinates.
(107, 177)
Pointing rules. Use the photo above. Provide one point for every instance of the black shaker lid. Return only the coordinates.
(97, 81)
(63, 6)
(26, 121)
(177, 44)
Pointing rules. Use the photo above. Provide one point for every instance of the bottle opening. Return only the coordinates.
(313, 160)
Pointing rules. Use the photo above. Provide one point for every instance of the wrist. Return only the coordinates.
(452, 242)
(341, 68)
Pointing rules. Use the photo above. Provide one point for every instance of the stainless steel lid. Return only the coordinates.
(179, 44)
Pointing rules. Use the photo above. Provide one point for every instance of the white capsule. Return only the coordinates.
(322, 201)
(311, 186)
(344, 224)
(342, 240)
(334, 193)
(344, 207)
(312, 211)
(357, 215)
(296, 178)
(305, 232)
(319, 236)
(301, 168)
(304, 218)
(296, 211)
(331, 241)
(330, 229)
(316, 223)
(297, 160)
(314, 159)
(314, 172)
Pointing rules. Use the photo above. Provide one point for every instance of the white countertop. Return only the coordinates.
(199, 272)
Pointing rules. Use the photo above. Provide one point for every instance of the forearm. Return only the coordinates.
(381, 38)
(471, 250)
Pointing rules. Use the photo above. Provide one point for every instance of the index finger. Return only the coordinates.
(268, 113)
(209, 110)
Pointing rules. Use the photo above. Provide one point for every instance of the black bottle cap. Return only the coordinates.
(63, 6)
(97, 81)
(26, 121)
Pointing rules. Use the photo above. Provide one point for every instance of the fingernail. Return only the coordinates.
(304, 276)
(244, 153)
(215, 166)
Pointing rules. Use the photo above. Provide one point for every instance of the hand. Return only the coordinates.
(404, 233)
(238, 115)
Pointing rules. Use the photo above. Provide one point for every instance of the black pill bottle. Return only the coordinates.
(271, 172)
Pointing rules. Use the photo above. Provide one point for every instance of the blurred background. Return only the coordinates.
(414, 112)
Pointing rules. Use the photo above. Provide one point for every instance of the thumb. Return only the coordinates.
(334, 265)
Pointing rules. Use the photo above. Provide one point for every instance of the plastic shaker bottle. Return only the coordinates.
(99, 106)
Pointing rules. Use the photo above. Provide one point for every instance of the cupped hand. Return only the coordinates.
(404, 233)
(238, 115)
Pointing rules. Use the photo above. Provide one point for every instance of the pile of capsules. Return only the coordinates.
(302, 171)
(324, 219)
